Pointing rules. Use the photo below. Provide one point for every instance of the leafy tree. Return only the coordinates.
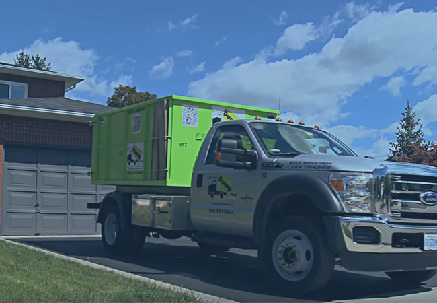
(35, 62)
(409, 135)
(423, 155)
(126, 95)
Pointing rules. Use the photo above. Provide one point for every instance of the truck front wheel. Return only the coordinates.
(117, 239)
(296, 256)
(411, 277)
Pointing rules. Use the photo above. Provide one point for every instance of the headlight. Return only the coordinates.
(354, 190)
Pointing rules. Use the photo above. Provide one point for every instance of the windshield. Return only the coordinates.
(280, 139)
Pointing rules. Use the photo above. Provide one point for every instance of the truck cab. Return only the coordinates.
(306, 199)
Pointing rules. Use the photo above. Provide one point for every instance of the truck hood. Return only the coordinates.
(350, 163)
(411, 169)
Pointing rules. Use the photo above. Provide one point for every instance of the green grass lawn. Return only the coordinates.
(31, 276)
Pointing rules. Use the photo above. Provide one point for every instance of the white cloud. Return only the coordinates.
(357, 12)
(350, 13)
(427, 74)
(282, 19)
(163, 70)
(68, 57)
(295, 37)
(427, 110)
(171, 26)
(198, 68)
(217, 43)
(286, 116)
(395, 7)
(187, 23)
(380, 150)
(348, 134)
(123, 80)
(318, 85)
(232, 63)
(394, 85)
(184, 53)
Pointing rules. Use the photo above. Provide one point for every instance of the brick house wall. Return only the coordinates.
(1, 175)
(38, 88)
(41, 131)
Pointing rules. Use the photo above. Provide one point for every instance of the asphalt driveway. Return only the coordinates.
(234, 275)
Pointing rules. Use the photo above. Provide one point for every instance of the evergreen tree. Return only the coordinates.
(35, 62)
(409, 135)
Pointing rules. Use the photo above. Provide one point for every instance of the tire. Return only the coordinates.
(296, 256)
(411, 277)
(212, 248)
(119, 240)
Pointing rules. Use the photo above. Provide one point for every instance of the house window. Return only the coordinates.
(13, 90)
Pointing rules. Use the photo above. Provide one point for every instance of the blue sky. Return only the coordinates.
(347, 66)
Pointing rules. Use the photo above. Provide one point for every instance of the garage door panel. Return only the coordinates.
(21, 179)
(78, 203)
(104, 189)
(81, 183)
(21, 201)
(57, 181)
(19, 224)
(53, 202)
(52, 224)
(100, 198)
(82, 223)
(46, 191)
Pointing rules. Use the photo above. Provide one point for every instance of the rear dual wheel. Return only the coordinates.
(117, 239)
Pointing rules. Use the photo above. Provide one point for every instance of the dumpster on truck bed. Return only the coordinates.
(155, 143)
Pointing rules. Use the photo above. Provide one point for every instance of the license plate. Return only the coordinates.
(430, 242)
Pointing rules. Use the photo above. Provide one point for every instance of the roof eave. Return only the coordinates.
(70, 81)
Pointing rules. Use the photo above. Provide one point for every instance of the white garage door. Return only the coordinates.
(45, 191)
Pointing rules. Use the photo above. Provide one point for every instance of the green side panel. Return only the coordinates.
(149, 144)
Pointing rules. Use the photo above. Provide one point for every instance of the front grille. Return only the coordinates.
(422, 215)
(405, 197)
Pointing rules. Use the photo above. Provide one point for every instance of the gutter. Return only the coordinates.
(45, 110)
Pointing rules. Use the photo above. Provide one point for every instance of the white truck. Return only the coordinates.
(298, 195)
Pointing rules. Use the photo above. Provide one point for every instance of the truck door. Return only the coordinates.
(222, 199)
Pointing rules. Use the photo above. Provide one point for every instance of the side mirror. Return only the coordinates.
(230, 155)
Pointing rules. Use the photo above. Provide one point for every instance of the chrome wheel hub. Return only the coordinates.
(111, 228)
(292, 255)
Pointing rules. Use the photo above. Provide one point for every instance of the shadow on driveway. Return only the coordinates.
(234, 275)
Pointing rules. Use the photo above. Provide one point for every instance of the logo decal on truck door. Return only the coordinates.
(221, 186)
(135, 156)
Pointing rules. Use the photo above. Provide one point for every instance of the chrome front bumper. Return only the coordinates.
(386, 230)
